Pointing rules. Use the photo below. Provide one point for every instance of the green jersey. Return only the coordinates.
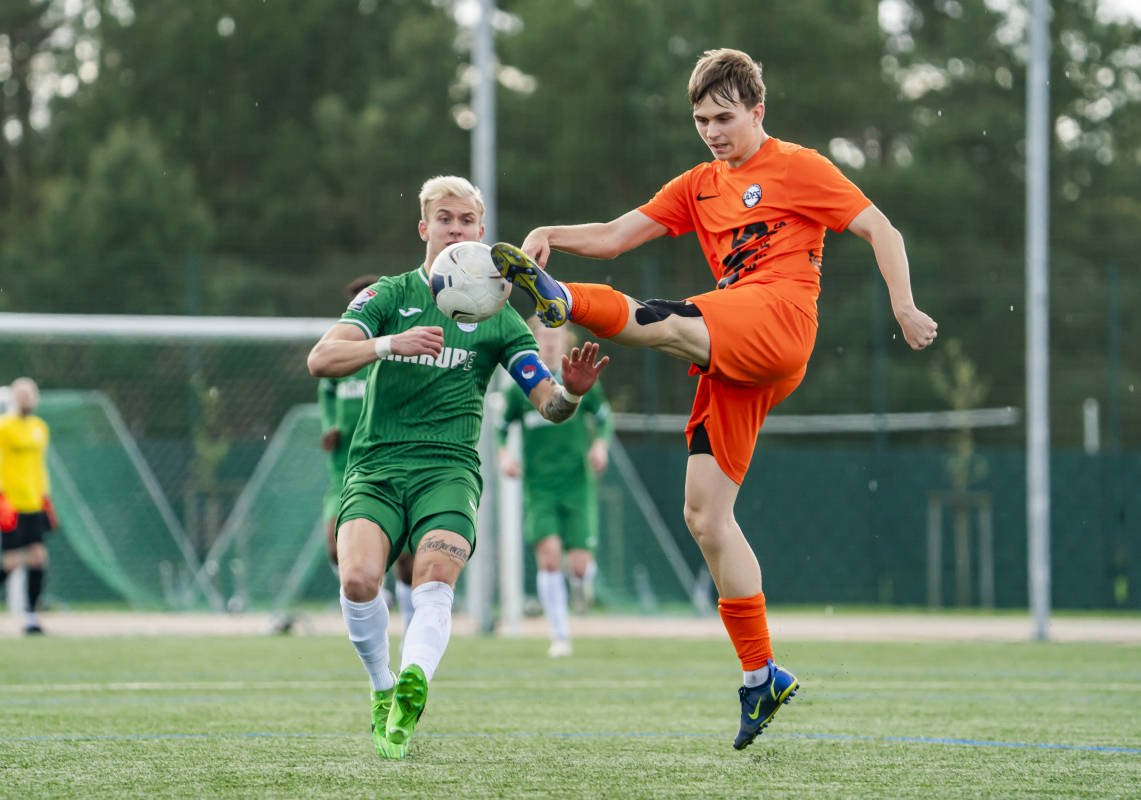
(424, 406)
(341, 400)
(555, 455)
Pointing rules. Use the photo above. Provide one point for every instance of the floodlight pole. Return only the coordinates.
(1038, 315)
(483, 167)
(480, 573)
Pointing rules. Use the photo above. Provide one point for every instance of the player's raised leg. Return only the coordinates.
(362, 552)
(673, 327)
(709, 498)
(440, 557)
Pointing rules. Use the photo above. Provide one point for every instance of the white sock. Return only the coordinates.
(553, 597)
(368, 631)
(404, 600)
(757, 677)
(430, 629)
(591, 571)
(567, 294)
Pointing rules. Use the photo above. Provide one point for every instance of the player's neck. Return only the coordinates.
(757, 144)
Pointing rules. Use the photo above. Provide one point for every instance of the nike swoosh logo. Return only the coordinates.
(756, 711)
(407, 312)
(707, 197)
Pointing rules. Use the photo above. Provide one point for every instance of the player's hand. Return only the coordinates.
(511, 468)
(918, 329)
(537, 246)
(49, 509)
(330, 439)
(419, 341)
(580, 370)
(598, 456)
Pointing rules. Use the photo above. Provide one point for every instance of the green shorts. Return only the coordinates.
(570, 513)
(409, 498)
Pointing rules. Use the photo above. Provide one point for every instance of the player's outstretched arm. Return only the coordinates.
(344, 349)
(580, 371)
(871, 225)
(594, 240)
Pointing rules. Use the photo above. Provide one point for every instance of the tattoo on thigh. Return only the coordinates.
(652, 311)
(432, 543)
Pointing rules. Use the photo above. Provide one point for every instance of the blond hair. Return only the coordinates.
(442, 186)
(730, 76)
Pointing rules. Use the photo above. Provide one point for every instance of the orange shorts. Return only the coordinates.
(759, 348)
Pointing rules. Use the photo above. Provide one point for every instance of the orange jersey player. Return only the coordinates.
(759, 209)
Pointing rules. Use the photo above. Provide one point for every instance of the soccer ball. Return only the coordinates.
(465, 283)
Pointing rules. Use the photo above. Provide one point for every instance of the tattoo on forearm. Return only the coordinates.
(430, 543)
(558, 408)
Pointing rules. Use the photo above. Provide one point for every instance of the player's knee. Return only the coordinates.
(441, 572)
(579, 561)
(654, 311)
(360, 584)
(703, 522)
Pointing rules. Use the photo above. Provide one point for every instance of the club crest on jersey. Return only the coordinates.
(361, 300)
(752, 195)
(467, 327)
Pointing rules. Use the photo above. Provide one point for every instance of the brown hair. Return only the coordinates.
(730, 76)
(356, 284)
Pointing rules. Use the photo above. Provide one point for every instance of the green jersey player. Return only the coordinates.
(412, 482)
(560, 507)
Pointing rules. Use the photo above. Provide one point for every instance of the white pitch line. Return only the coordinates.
(239, 685)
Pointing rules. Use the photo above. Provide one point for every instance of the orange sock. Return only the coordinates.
(744, 618)
(598, 308)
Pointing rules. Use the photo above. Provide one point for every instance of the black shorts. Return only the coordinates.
(30, 529)
(699, 442)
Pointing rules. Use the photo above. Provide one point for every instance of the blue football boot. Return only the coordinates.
(551, 302)
(759, 704)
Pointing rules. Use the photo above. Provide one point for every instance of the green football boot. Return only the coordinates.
(407, 705)
(381, 708)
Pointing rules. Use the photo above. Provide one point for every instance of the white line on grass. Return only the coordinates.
(830, 736)
(236, 685)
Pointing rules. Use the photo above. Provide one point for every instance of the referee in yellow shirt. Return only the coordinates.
(24, 490)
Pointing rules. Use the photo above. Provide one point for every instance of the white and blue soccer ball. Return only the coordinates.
(465, 283)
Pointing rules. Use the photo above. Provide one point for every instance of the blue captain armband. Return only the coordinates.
(528, 371)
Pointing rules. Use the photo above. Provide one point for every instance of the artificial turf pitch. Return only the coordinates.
(289, 717)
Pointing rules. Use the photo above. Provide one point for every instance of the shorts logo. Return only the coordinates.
(752, 195)
(467, 327)
(528, 373)
(361, 300)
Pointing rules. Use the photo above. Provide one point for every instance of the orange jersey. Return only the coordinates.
(764, 221)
